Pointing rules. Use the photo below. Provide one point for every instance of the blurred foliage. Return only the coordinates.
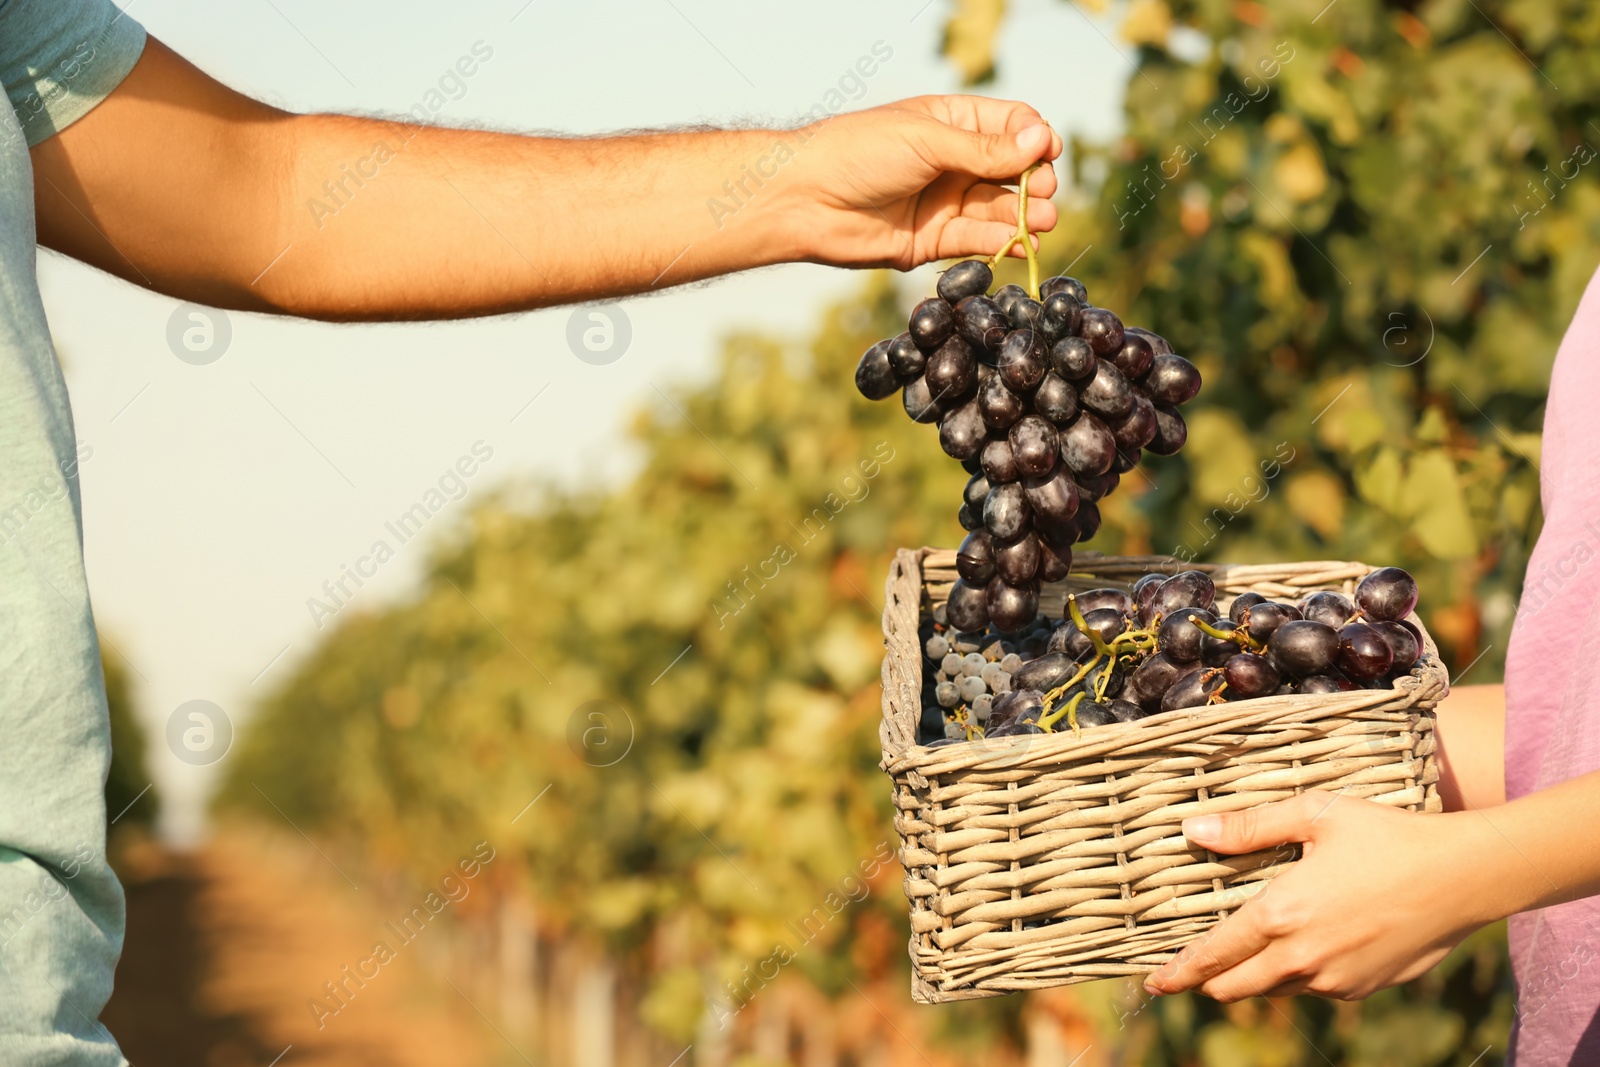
(1367, 223)
(129, 776)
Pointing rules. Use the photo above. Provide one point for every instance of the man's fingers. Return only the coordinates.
(1258, 828)
(995, 203)
(1236, 939)
(970, 237)
(995, 156)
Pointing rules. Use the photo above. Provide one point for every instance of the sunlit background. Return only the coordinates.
(1343, 212)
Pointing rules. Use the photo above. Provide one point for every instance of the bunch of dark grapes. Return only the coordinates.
(1046, 403)
(1166, 645)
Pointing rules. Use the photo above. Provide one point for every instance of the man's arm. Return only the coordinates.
(177, 183)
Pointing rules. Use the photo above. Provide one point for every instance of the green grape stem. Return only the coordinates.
(1069, 710)
(1022, 235)
(1076, 614)
(1060, 691)
(1239, 636)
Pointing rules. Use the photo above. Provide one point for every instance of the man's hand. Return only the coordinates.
(1381, 896)
(924, 179)
(177, 183)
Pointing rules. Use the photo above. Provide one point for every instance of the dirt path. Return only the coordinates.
(228, 944)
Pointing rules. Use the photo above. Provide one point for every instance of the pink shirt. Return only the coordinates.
(1553, 705)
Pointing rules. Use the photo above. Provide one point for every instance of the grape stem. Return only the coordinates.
(1060, 691)
(1069, 710)
(1022, 235)
(1099, 643)
(1239, 636)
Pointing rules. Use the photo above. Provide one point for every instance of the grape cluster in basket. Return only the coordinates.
(1046, 402)
(1117, 656)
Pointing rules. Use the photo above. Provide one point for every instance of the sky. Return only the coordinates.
(224, 485)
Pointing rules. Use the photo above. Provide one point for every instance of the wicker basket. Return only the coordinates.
(998, 835)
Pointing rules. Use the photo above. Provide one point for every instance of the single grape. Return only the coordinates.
(950, 665)
(936, 647)
(1101, 329)
(1125, 460)
(972, 466)
(1107, 622)
(1007, 296)
(1058, 316)
(1322, 685)
(1088, 521)
(1301, 648)
(1388, 594)
(982, 707)
(1106, 597)
(970, 277)
(1328, 607)
(1250, 675)
(952, 373)
(1054, 563)
(999, 465)
(1145, 588)
(967, 607)
(1172, 380)
(954, 733)
(1113, 684)
(1157, 343)
(1193, 690)
(1264, 619)
(1062, 284)
(1052, 498)
(1059, 534)
(991, 675)
(1024, 313)
(1035, 445)
(1242, 601)
(1056, 399)
(918, 401)
(1180, 638)
(932, 720)
(1137, 428)
(1363, 652)
(1044, 673)
(975, 557)
(1014, 728)
(1107, 394)
(948, 694)
(970, 518)
(1126, 710)
(999, 406)
(1006, 512)
(1012, 607)
(977, 489)
(1097, 487)
(981, 323)
(1087, 445)
(1017, 562)
(1135, 358)
(971, 689)
(992, 645)
(1090, 713)
(1171, 432)
(962, 434)
(1403, 644)
(932, 322)
(906, 359)
(875, 378)
(1072, 358)
(1186, 589)
(1022, 362)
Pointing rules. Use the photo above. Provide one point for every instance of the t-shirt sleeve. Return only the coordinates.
(59, 58)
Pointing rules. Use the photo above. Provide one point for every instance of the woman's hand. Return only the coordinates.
(1380, 897)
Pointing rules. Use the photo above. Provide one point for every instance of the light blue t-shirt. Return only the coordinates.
(61, 909)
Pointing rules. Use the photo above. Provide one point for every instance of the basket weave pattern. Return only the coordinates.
(997, 836)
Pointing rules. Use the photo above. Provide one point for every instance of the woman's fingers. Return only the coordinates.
(1234, 940)
(1281, 823)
